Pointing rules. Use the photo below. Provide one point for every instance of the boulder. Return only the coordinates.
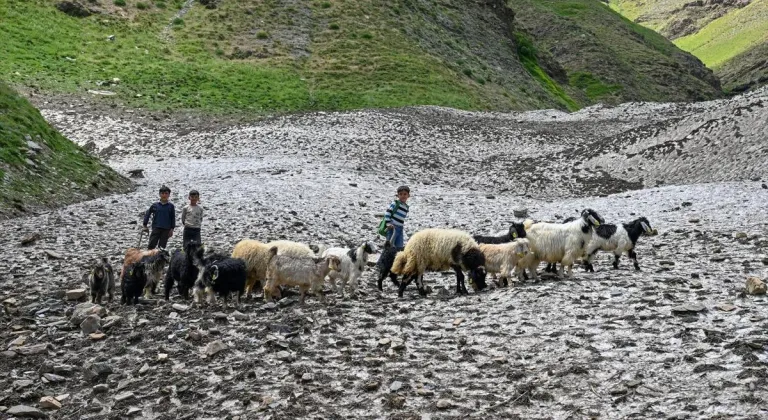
(83, 310)
(755, 286)
(74, 9)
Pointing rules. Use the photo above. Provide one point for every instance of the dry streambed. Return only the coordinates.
(678, 339)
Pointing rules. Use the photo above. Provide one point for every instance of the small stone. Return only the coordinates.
(740, 235)
(520, 213)
(384, 341)
(725, 307)
(307, 377)
(755, 286)
(100, 388)
(395, 386)
(696, 285)
(8, 354)
(75, 294)
(134, 410)
(111, 321)
(214, 347)
(371, 386)
(96, 336)
(718, 258)
(689, 308)
(457, 322)
(21, 384)
(219, 316)
(35, 349)
(51, 377)
(620, 390)
(443, 404)
(19, 341)
(284, 356)
(144, 369)
(83, 310)
(62, 397)
(162, 357)
(50, 402)
(666, 262)
(30, 239)
(90, 324)
(179, 307)
(765, 261)
(240, 316)
(694, 220)
(25, 411)
(397, 344)
(53, 255)
(124, 396)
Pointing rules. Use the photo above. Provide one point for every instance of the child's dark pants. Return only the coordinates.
(158, 237)
(191, 234)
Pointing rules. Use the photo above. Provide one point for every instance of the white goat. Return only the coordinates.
(308, 273)
(504, 258)
(563, 243)
(352, 265)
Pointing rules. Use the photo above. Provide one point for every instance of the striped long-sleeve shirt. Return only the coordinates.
(398, 218)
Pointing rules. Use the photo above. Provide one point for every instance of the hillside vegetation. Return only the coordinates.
(289, 55)
(39, 167)
(729, 36)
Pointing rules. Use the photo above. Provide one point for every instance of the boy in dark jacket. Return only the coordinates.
(163, 220)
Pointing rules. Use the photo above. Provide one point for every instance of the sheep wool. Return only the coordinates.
(440, 250)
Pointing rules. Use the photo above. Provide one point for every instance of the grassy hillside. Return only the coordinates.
(728, 37)
(288, 55)
(39, 167)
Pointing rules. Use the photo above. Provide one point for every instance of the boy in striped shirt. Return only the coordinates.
(395, 217)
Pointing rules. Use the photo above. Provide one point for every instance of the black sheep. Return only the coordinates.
(183, 269)
(134, 281)
(222, 277)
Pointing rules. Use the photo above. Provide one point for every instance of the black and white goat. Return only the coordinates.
(516, 231)
(560, 242)
(184, 269)
(222, 277)
(135, 278)
(351, 267)
(101, 280)
(619, 239)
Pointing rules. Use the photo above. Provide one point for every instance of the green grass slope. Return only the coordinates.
(291, 55)
(39, 167)
(729, 37)
(735, 33)
(609, 57)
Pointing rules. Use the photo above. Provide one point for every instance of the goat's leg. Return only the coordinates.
(616, 261)
(633, 255)
(168, 284)
(353, 282)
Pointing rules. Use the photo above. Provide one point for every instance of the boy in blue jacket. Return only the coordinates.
(163, 220)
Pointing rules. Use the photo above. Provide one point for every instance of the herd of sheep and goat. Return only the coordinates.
(279, 264)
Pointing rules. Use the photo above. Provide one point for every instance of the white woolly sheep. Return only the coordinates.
(560, 242)
(256, 256)
(308, 273)
(439, 250)
(352, 265)
(504, 258)
(619, 239)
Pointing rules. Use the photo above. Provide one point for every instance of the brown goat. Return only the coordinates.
(155, 260)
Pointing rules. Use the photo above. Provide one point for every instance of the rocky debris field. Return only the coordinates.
(679, 339)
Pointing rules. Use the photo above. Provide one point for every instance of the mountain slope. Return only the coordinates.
(39, 167)
(288, 55)
(729, 36)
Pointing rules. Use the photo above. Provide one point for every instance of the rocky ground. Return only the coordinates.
(679, 339)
